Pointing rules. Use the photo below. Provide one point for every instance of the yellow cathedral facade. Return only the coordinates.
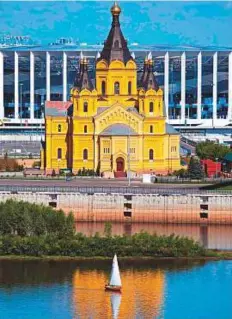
(115, 124)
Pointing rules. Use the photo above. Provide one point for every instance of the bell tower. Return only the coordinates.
(116, 70)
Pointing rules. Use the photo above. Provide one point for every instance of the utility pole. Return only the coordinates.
(128, 155)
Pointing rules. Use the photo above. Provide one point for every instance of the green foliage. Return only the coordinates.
(195, 170)
(141, 244)
(182, 173)
(211, 150)
(108, 229)
(86, 172)
(36, 230)
(25, 219)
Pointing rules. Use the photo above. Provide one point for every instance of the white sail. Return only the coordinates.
(115, 304)
(115, 279)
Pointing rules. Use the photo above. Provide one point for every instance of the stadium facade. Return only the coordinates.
(197, 82)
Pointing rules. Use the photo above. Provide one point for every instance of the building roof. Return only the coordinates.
(101, 109)
(170, 130)
(228, 157)
(119, 129)
(115, 46)
(149, 81)
(57, 108)
(83, 80)
(144, 74)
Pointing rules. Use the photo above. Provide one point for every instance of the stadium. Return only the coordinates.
(197, 84)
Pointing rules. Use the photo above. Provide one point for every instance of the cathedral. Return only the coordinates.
(115, 124)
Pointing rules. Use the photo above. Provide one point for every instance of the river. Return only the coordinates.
(155, 289)
(212, 236)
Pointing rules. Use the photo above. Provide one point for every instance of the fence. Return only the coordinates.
(111, 190)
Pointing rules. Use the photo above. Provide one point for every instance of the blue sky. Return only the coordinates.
(174, 23)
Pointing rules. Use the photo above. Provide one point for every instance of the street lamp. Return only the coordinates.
(128, 154)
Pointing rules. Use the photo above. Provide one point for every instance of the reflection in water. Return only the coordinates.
(151, 289)
(212, 236)
(115, 304)
(204, 235)
(142, 294)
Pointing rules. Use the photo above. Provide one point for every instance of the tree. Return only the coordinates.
(211, 150)
(108, 229)
(195, 170)
(182, 173)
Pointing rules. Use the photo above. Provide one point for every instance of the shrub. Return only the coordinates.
(195, 170)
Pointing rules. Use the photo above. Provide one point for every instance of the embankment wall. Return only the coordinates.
(157, 208)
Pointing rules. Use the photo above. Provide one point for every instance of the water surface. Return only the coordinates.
(154, 289)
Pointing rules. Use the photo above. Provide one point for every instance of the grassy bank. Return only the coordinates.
(210, 255)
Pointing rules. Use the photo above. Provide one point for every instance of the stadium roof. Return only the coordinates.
(132, 47)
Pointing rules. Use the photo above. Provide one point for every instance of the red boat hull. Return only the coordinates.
(113, 288)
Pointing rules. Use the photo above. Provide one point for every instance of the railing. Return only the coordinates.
(111, 190)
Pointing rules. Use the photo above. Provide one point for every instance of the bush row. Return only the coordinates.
(141, 244)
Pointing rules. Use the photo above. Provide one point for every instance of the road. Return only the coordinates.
(92, 182)
(95, 185)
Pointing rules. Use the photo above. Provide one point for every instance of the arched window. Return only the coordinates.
(129, 88)
(116, 88)
(59, 153)
(151, 155)
(85, 154)
(151, 128)
(85, 107)
(103, 87)
(59, 128)
(151, 107)
(85, 129)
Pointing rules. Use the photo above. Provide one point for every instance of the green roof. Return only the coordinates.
(228, 157)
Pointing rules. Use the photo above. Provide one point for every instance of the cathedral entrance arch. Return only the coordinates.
(120, 164)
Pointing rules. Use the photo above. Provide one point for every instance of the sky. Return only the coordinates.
(163, 23)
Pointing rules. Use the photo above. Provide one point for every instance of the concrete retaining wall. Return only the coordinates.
(207, 209)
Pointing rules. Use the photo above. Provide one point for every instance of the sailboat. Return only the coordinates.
(115, 283)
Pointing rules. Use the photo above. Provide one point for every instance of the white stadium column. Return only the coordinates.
(166, 82)
(199, 84)
(215, 67)
(1, 85)
(48, 80)
(183, 85)
(229, 115)
(16, 84)
(64, 76)
(32, 84)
